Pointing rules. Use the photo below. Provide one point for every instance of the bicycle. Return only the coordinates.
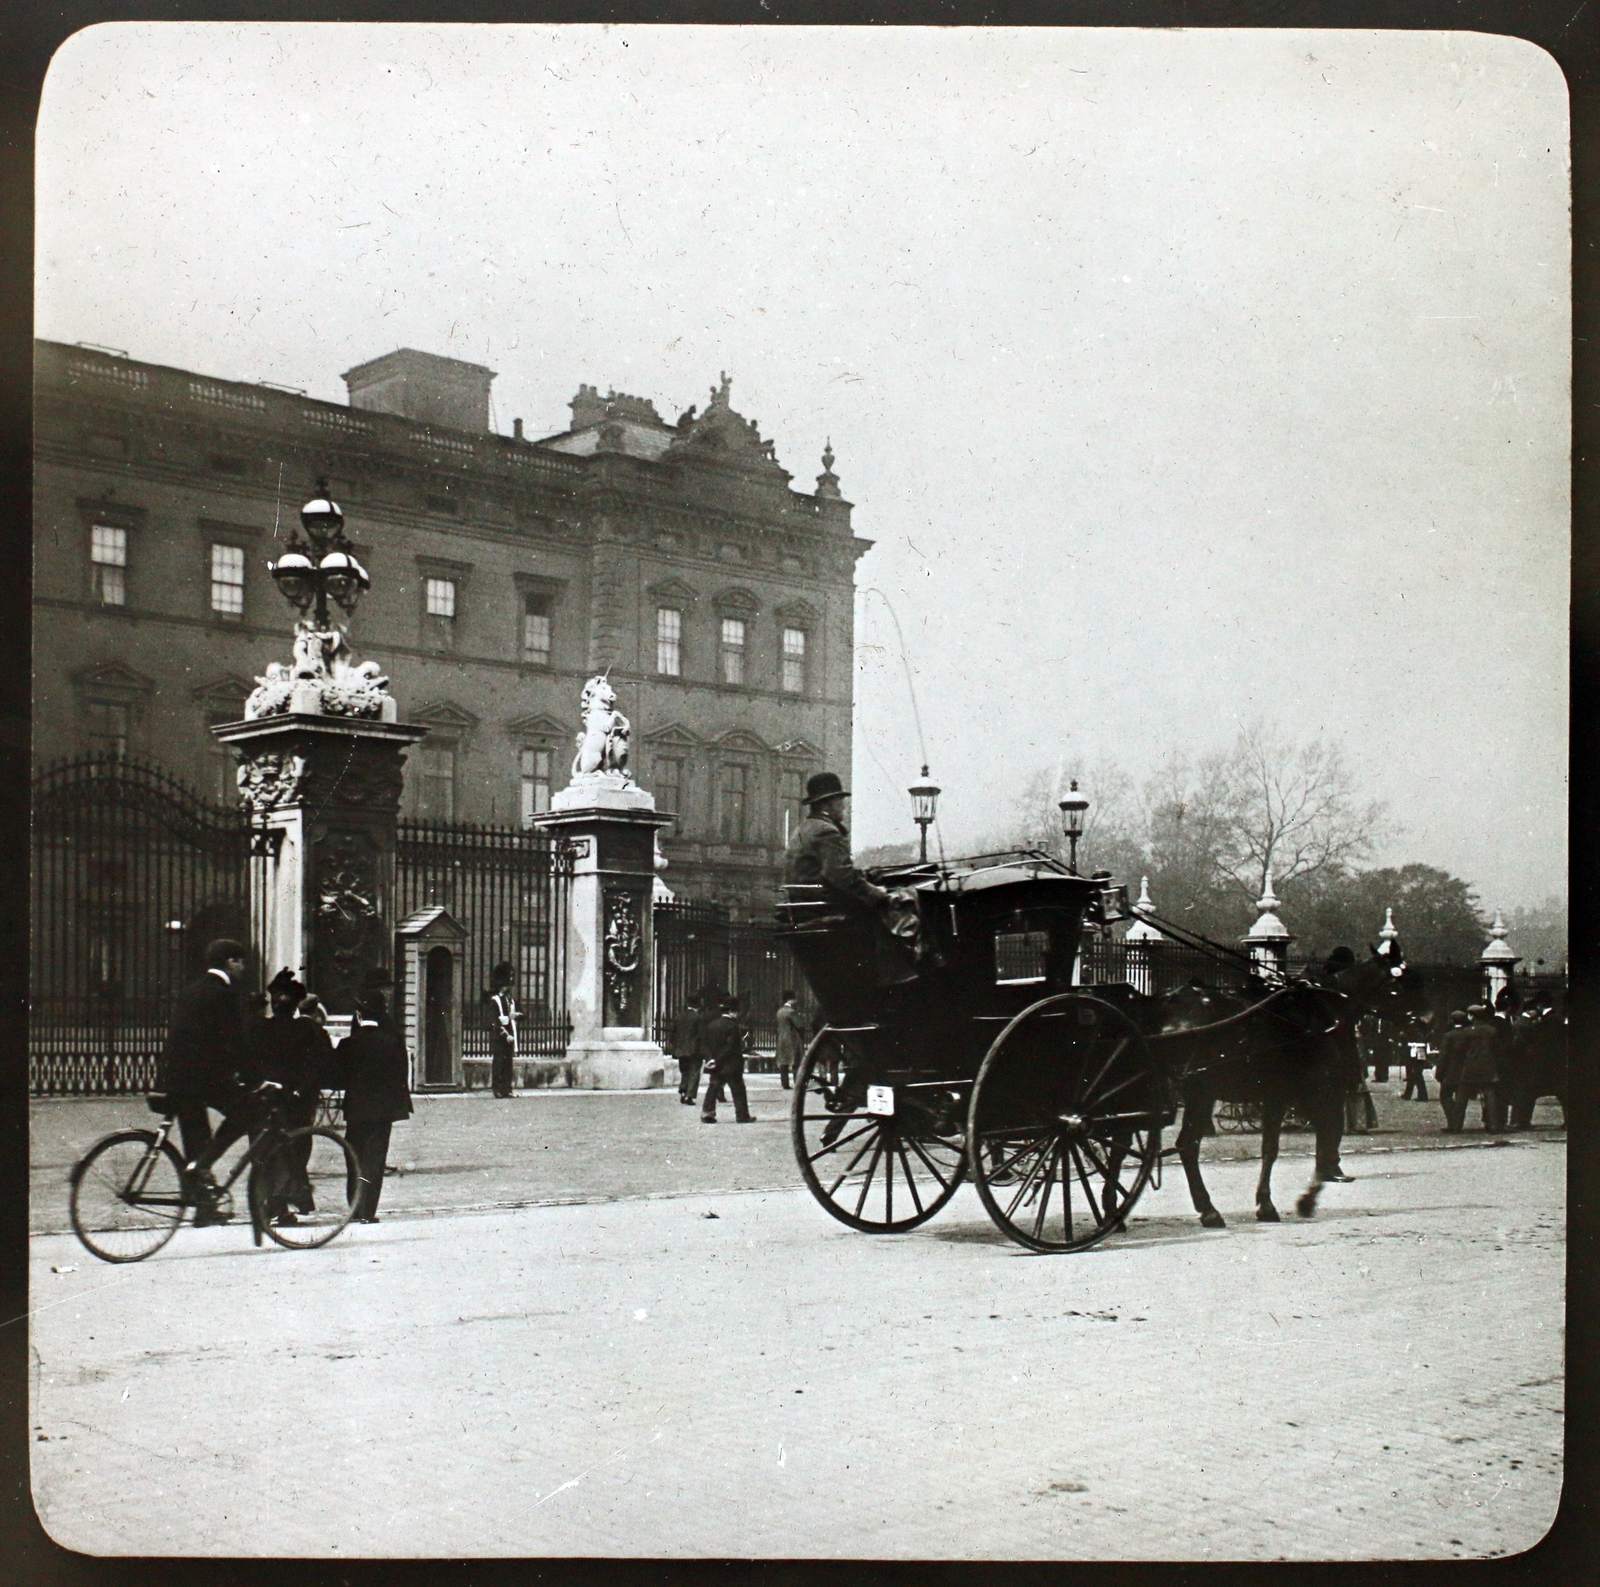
(129, 1190)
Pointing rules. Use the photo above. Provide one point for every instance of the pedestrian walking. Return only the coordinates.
(1452, 1060)
(503, 1034)
(685, 1042)
(1417, 1056)
(723, 1042)
(793, 1033)
(200, 1063)
(1481, 1072)
(377, 1094)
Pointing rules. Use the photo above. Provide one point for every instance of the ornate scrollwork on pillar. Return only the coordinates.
(623, 955)
(267, 781)
(347, 915)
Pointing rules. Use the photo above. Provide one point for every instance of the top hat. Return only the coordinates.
(824, 785)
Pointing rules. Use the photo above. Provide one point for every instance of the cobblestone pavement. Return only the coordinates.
(642, 1378)
(555, 1146)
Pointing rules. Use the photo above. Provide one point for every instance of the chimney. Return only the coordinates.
(516, 429)
(423, 387)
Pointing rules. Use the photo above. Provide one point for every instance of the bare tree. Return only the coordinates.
(1293, 809)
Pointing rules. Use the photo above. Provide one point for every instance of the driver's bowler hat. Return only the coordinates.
(824, 785)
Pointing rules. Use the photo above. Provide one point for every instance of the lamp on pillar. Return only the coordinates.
(924, 806)
(1073, 808)
(322, 564)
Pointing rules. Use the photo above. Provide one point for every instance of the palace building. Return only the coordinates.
(505, 571)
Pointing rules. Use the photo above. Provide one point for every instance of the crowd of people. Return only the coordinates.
(710, 1040)
(252, 1065)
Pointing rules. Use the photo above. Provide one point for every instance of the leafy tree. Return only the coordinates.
(1436, 914)
(1539, 933)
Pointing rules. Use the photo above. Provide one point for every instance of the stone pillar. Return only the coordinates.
(608, 827)
(326, 790)
(1497, 961)
(1268, 940)
(1142, 939)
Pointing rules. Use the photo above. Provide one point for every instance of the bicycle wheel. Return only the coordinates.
(127, 1198)
(304, 1186)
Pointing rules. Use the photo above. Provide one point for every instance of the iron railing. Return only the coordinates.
(508, 888)
(131, 874)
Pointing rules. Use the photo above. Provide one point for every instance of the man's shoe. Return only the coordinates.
(285, 1220)
(749, 1118)
(705, 1120)
(1338, 1177)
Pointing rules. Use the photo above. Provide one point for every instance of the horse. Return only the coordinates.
(1277, 1046)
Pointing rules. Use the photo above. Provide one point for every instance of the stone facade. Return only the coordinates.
(505, 572)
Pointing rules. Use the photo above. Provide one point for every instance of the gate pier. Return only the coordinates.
(325, 794)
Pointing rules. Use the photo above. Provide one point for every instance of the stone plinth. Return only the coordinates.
(326, 791)
(608, 829)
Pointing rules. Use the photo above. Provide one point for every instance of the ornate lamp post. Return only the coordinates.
(322, 564)
(924, 806)
(1073, 808)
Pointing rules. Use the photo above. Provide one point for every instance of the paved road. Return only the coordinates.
(552, 1146)
(640, 1378)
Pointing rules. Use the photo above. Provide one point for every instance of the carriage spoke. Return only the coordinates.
(1005, 1167)
(1121, 1085)
(1085, 1092)
(911, 1184)
(1044, 1200)
(928, 1162)
(1028, 1180)
(842, 1142)
(850, 1167)
(1083, 1179)
(866, 1184)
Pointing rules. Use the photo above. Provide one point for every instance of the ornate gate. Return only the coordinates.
(508, 888)
(131, 874)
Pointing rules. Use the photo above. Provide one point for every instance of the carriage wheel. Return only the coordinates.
(1065, 1125)
(884, 1172)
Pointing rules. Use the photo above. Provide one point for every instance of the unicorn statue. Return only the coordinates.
(603, 743)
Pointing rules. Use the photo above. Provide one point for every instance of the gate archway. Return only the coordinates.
(131, 874)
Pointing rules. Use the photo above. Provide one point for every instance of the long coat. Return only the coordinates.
(685, 1035)
(819, 851)
(376, 1072)
(204, 1049)
(1484, 1056)
(296, 1053)
(791, 1035)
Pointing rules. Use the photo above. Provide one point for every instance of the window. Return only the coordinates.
(791, 790)
(436, 787)
(733, 650)
(439, 608)
(224, 768)
(108, 555)
(733, 803)
(536, 629)
(535, 783)
(669, 641)
(794, 660)
(666, 779)
(108, 728)
(227, 580)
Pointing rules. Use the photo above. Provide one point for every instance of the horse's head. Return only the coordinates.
(1383, 983)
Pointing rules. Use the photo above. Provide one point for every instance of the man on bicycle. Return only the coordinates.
(200, 1062)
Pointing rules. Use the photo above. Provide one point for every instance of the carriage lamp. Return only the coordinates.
(322, 564)
(924, 806)
(1073, 807)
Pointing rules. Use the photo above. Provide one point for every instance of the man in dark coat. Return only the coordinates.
(685, 1041)
(377, 1091)
(1453, 1047)
(1481, 1074)
(288, 1058)
(819, 856)
(792, 1035)
(204, 1052)
(722, 1039)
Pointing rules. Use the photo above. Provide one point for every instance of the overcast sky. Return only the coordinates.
(1179, 377)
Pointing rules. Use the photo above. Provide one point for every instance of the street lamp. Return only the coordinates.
(322, 564)
(924, 806)
(1072, 808)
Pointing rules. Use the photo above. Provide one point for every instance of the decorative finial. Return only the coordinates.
(1388, 934)
(827, 480)
(827, 453)
(1144, 904)
(1267, 900)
